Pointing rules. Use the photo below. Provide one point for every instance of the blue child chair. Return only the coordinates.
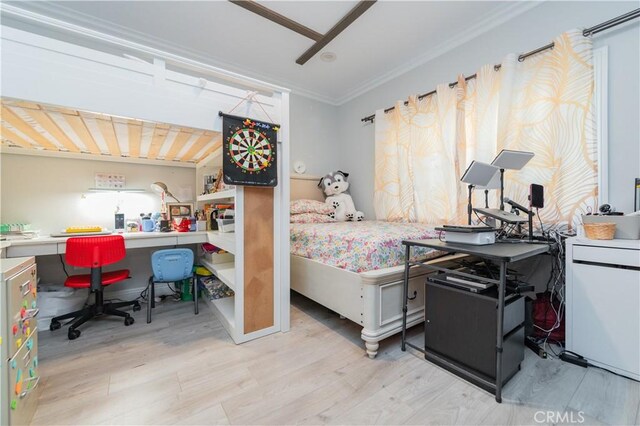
(170, 266)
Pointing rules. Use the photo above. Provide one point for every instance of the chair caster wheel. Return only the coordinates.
(128, 321)
(73, 334)
(136, 307)
(55, 325)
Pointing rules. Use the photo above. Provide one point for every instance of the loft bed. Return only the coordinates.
(371, 298)
(54, 91)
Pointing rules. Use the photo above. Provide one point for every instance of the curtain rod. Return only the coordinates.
(586, 33)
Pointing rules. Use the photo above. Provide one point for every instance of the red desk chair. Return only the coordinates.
(94, 253)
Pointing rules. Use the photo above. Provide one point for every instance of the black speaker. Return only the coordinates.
(536, 195)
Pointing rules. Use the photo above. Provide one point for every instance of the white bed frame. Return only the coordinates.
(372, 299)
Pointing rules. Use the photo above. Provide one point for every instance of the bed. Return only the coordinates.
(360, 286)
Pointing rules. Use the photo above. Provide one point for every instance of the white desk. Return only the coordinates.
(57, 245)
(3, 247)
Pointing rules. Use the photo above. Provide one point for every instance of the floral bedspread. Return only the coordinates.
(359, 246)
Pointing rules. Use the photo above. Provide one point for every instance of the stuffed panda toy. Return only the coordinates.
(335, 186)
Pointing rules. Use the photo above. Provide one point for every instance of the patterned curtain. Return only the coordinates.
(543, 105)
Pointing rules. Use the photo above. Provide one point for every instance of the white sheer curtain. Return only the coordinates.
(543, 105)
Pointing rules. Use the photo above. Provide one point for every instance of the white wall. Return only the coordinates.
(51, 194)
(314, 138)
(528, 31)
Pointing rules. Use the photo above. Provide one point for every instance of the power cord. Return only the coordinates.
(577, 359)
(64, 267)
(540, 220)
(481, 220)
(144, 294)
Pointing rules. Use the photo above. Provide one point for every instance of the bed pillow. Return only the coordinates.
(310, 206)
(311, 218)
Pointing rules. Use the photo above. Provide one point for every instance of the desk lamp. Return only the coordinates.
(477, 174)
(161, 188)
(510, 160)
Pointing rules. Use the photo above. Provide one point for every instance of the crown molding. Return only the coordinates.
(486, 24)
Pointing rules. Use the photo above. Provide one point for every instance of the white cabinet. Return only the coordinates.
(603, 303)
(19, 372)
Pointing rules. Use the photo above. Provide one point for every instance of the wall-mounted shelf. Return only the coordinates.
(221, 195)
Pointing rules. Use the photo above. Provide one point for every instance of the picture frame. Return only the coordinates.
(208, 184)
(176, 210)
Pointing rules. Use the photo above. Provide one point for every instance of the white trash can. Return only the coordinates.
(54, 300)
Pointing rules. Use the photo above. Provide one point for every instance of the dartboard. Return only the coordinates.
(250, 150)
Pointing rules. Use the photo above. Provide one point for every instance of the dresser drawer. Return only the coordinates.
(21, 308)
(23, 382)
(607, 255)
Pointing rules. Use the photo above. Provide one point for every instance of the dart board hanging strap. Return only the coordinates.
(249, 98)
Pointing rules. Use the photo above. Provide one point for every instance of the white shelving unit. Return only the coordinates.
(218, 196)
(228, 309)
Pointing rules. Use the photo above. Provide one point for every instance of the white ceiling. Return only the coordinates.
(389, 39)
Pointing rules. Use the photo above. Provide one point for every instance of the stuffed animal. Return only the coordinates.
(335, 186)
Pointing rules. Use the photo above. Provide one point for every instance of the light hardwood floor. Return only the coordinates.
(184, 369)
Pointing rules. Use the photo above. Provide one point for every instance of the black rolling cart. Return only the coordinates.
(468, 333)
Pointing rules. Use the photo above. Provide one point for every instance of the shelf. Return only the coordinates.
(222, 195)
(226, 272)
(224, 309)
(224, 240)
